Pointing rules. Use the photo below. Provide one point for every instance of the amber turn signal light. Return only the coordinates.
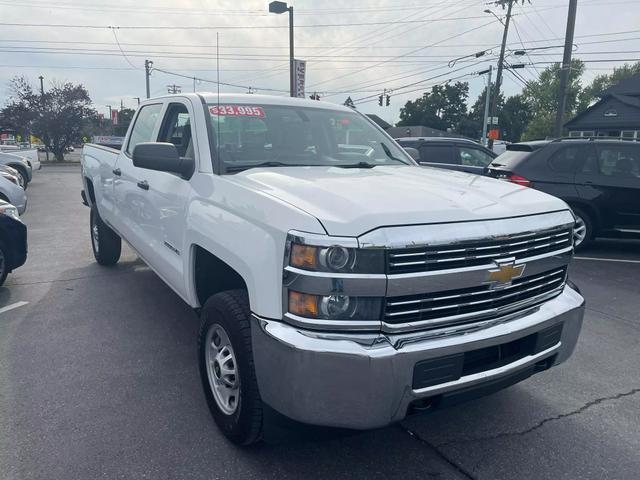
(304, 256)
(303, 304)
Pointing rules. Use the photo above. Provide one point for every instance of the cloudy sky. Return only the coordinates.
(356, 48)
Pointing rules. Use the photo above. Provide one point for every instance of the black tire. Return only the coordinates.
(4, 267)
(106, 243)
(584, 223)
(230, 310)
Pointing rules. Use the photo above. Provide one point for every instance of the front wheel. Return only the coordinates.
(106, 243)
(583, 230)
(226, 367)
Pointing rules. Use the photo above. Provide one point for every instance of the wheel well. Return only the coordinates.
(21, 168)
(4, 198)
(212, 275)
(91, 193)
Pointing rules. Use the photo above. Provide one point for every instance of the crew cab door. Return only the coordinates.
(132, 208)
(610, 180)
(166, 197)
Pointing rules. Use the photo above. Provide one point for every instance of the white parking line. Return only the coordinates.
(12, 306)
(618, 260)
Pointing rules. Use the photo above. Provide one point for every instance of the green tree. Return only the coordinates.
(442, 108)
(514, 117)
(542, 97)
(604, 81)
(57, 117)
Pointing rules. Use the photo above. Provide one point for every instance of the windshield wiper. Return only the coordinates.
(388, 153)
(239, 168)
(356, 165)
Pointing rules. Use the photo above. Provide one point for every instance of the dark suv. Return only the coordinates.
(451, 153)
(599, 179)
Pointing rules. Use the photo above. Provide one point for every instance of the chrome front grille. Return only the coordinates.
(454, 307)
(473, 253)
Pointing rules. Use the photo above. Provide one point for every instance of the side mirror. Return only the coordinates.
(162, 157)
(413, 153)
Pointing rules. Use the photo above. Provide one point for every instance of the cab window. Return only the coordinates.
(566, 159)
(144, 126)
(176, 129)
(436, 153)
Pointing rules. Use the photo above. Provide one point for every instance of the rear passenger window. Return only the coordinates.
(144, 126)
(619, 161)
(474, 157)
(436, 154)
(566, 159)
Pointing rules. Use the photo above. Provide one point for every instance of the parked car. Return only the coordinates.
(598, 178)
(20, 164)
(12, 192)
(12, 175)
(337, 281)
(13, 240)
(450, 153)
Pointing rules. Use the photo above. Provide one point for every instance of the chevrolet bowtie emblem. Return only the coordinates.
(505, 273)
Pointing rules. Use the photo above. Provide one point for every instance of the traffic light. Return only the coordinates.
(380, 98)
(388, 100)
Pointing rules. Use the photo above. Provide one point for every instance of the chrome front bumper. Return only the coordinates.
(365, 381)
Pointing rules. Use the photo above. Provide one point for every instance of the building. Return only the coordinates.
(616, 114)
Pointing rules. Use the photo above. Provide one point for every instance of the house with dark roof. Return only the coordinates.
(616, 114)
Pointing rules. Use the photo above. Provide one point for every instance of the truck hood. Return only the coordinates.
(353, 201)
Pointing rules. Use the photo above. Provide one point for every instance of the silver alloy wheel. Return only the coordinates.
(95, 236)
(579, 231)
(222, 369)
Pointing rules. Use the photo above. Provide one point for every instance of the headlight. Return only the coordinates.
(336, 258)
(10, 211)
(334, 307)
(10, 177)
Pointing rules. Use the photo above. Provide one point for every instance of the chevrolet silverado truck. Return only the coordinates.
(337, 282)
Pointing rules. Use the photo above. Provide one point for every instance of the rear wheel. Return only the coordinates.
(105, 242)
(22, 177)
(583, 230)
(226, 367)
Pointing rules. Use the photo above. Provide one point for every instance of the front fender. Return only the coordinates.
(247, 230)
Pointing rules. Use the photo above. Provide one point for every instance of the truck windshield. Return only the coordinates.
(249, 136)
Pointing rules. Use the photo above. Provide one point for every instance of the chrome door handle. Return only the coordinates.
(143, 185)
(117, 171)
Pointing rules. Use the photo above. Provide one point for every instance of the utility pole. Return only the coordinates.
(194, 84)
(147, 72)
(174, 88)
(496, 93)
(485, 122)
(46, 150)
(566, 67)
(138, 99)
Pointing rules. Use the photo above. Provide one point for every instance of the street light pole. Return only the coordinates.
(278, 8)
(292, 73)
(496, 93)
(566, 67)
(147, 72)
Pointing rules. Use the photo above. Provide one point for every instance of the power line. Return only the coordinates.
(231, 27)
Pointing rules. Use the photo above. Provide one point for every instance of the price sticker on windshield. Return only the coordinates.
(237, 111)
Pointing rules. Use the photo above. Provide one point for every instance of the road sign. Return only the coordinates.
(493, 120)
(494, 134)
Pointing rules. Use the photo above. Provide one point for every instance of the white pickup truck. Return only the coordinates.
(338, 282)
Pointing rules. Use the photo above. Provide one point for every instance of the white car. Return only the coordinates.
(337, 281)
(21, 164)
(12, 192)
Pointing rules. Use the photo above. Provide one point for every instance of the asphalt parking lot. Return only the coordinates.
(98, 378)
